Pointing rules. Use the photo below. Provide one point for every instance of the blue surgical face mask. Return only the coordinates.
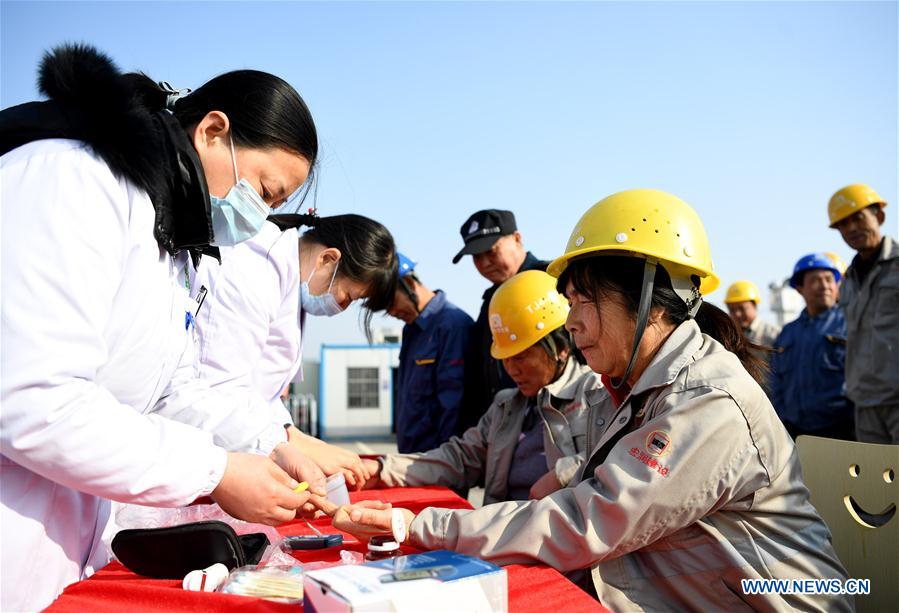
(240, 214)
(325, 305)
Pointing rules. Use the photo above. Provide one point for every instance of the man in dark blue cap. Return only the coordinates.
(494, 243)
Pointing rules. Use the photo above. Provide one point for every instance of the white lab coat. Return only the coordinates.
(248, 325)
(99, 395)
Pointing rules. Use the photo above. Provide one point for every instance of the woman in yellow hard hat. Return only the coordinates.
(532, 439)
(692, 489)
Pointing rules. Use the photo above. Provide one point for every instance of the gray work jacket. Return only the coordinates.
(761, 332)
(706, 491)
(872, 317)
(486, 450)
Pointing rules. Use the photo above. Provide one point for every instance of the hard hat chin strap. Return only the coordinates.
(410, 294)
(649, 276)
(552, 349)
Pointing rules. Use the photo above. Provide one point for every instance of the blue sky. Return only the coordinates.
(754, 113)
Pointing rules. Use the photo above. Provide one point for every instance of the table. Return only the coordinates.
(114, 589)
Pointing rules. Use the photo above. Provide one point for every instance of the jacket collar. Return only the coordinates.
(530, 263)
(596, 395)
(428, 316)
(756, 324)
(565, 387)
(671, 357)
(889, 249)
(805, 317)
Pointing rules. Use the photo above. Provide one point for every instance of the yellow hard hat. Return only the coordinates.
(742, 291)
(523, 310)
(645, 223)
(851, 199)
(837, 261)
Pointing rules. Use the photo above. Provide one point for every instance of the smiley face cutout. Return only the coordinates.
(857, 511)
(853, 486)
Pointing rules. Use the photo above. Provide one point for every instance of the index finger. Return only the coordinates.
(326, 506)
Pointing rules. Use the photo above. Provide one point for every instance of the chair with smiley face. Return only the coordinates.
(853, 486)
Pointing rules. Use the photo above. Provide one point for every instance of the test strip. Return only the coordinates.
(313, 528)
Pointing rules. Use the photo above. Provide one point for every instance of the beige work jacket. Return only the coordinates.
(486, 450)
(872, 318)
(762, 333)
(705, 492)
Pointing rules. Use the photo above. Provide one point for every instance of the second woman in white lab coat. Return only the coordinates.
(257, 300)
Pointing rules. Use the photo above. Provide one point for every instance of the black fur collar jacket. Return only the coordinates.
(89, 100)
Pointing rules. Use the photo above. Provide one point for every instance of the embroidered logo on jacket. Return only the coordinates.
(658, 443)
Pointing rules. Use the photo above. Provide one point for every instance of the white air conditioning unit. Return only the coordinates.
(387, 336)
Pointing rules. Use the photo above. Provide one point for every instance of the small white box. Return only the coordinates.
(433, 581)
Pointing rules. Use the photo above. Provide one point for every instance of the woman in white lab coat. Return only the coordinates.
(106, 195)
(255, 304)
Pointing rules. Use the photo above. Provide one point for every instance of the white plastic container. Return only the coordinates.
(336, 489)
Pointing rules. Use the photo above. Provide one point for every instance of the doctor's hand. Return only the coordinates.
(255, 489)
(331, 458)
(545, 485)
(299, 466)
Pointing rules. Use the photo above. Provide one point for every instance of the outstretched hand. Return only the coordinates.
(364, 519)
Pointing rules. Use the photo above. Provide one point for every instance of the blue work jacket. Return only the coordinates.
(431, 372)
(807, 371)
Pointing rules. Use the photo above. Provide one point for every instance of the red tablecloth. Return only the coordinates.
(114, 589)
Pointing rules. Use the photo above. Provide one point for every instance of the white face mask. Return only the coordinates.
(238, 216)
(325, 305)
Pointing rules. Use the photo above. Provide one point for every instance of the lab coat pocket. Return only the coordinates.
(175, 346)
